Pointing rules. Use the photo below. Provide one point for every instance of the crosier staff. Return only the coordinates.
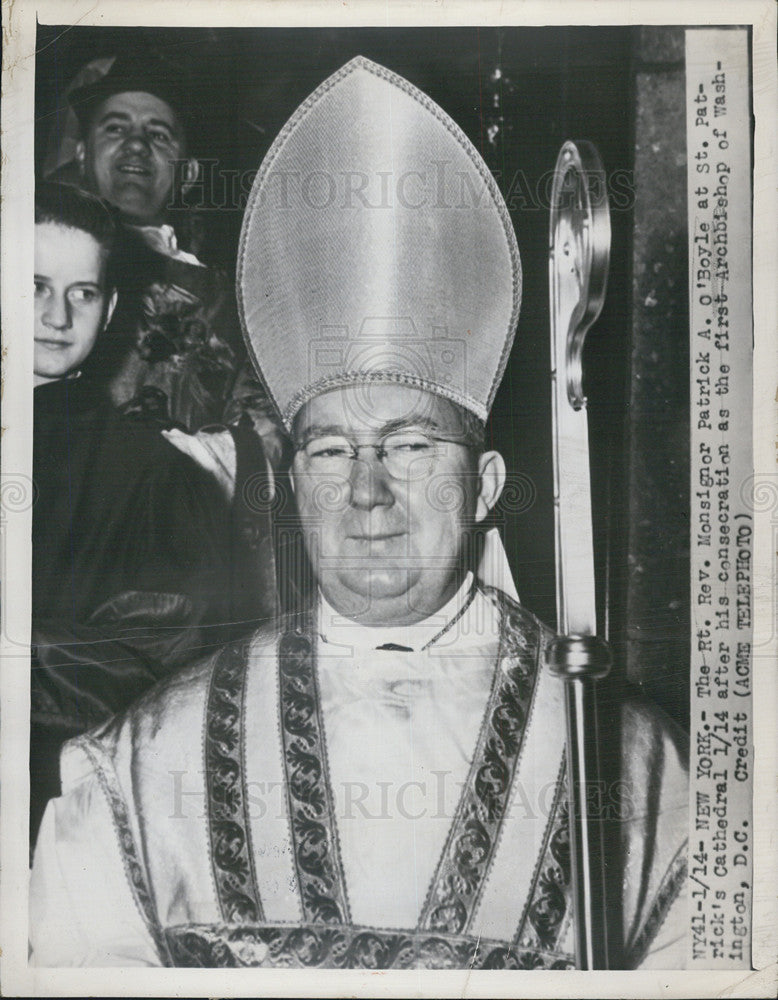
(578, 272)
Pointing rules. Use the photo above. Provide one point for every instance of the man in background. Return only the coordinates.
(177, 357)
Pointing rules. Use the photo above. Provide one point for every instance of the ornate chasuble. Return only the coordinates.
(286, 843)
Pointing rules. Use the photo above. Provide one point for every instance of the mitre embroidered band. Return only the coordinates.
(404, 265)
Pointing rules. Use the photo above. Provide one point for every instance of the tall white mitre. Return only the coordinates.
(376, 247)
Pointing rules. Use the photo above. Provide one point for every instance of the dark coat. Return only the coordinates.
(139, 562)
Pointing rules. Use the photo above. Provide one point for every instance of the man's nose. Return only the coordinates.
(370, 482)
(57, 312)
(136, 141)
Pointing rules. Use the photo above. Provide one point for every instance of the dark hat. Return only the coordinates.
(147, 72)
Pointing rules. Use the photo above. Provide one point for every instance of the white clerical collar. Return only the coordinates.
(337, 630)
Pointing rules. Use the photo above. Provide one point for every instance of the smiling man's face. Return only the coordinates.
(128, 157)
(387, 546)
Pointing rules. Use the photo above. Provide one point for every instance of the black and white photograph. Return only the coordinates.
(389, 504)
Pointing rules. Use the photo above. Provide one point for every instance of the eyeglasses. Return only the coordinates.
(409, 455)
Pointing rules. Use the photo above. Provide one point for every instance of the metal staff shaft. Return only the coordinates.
(578, 267)
(583, 766)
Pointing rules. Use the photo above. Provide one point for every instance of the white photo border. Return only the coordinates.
(19, 38)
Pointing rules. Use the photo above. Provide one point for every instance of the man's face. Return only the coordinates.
(128, 156)
(386, 548)
(71, 303)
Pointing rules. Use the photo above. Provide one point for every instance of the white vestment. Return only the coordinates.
(311, 799)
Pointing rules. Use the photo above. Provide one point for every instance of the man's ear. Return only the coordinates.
(491, 479)
(81, 156)
(109, 308)
(191, 173)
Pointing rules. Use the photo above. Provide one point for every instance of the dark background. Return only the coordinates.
(518, 94)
